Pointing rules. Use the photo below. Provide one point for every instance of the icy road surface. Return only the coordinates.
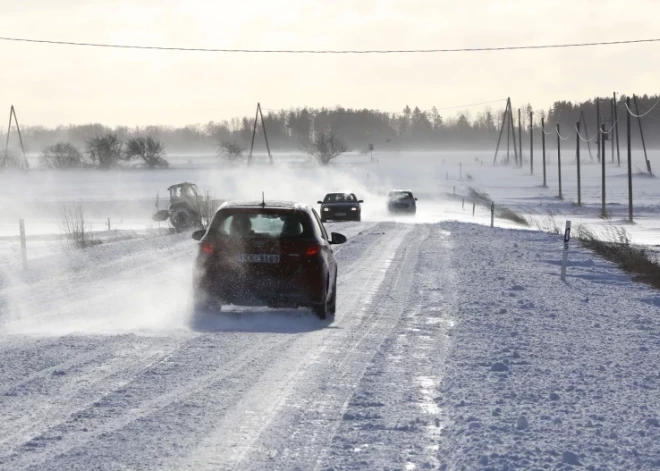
(104, 368)
(456, 347)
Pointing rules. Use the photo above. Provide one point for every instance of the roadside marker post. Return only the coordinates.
(492, 214)
(567, 238)
(109, 225)
(21, 225)
(474, 205)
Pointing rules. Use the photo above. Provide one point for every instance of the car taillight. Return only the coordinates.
(312, 250)
(206, 247)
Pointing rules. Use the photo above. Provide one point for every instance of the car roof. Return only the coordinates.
(340, 193)
(402, 191)
(268, 204)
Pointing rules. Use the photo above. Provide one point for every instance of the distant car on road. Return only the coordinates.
(274, 254)
(401, 201)
(341, 206)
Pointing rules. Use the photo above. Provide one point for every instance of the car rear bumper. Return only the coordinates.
(402, 209)
(347, 216)
(284, 292)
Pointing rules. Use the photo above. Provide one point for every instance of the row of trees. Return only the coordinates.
(296, 129)
(105, 151)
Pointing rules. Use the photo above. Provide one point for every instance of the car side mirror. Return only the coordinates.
(360, 201)
(197, 235)
(319, 202)
(337, 238)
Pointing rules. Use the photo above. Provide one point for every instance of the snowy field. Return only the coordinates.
(455, 347)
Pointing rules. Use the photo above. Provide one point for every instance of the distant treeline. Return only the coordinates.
(413, 128)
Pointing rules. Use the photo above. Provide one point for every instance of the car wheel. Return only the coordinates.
(202, 303)
(326, 311)
(358, 218)
(324, 219)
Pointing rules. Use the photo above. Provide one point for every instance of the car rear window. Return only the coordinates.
(339, 198)
(255, 223)
(400, 195)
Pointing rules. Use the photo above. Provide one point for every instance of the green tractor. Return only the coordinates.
(186, 207)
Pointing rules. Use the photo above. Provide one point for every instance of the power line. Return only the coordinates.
(330, 51)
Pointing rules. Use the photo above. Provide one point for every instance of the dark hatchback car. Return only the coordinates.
(274, 254)
(401, 201)
(341, 206)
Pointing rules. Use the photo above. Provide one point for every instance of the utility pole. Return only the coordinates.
(610, 134)
(561, 196)
(598, 136)
(531, 143)
(507, 120)
(603, 210)
(577, 156)
(616, 131)
(630, 188)
(641, 133)
(520, 131)
(513, 134)
(499, 139)
(545, 182)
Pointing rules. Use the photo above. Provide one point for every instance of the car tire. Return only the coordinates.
(201, 303)
(326, 311)
(358, 218)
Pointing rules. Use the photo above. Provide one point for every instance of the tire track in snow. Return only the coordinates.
(132, 401)
(133, 406)
(327, 362)
(393, 420)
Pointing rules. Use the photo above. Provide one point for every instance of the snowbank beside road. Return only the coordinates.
(543, 374)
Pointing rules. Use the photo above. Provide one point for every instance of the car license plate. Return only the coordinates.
(258, 258)
(340, 214)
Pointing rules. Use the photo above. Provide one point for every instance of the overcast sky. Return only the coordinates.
(53, 85)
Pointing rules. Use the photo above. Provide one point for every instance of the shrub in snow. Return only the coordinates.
(74, 228)
(151, 151)
(231, 151)
(614, 244)
(326, 146)
(62, 155)
(105, 151)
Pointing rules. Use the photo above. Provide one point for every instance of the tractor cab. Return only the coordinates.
(183, 192)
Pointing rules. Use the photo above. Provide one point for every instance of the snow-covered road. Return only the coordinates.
(456, 346)
(104, 368)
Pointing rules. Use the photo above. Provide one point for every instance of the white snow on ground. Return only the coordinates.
(456, 346)
(543, 374)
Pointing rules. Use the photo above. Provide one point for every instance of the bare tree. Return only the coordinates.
(61, 156)
(105, 151)
(326, 146)
(73, 227)
(231, 151)
(147, 149)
